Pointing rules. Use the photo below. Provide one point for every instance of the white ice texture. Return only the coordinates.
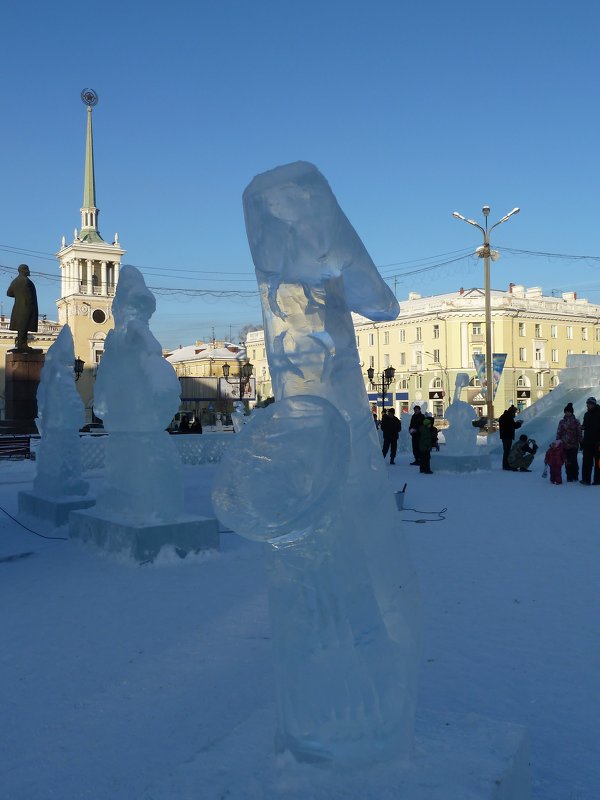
(307, 476)
(461, 436)
(60, 416)
(137, 395)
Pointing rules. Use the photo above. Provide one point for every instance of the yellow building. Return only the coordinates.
(436, 337)
(201, 368)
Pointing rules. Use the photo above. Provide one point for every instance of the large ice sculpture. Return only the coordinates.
(307, 476)
(137, 395)
(461, 436)
(60, 416)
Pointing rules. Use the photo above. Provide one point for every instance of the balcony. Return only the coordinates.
(477, 338)
(541, 365)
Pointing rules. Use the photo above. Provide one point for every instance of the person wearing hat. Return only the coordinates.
(569, 433)
(507, 426)
(591, 443)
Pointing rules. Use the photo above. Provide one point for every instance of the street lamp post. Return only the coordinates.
(386, 378)
(243, 377)
(78, 368)
(487, 254)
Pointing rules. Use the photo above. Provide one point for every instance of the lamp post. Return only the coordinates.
(386, 377)
(487, 254)
(243, 377)
(78, 367)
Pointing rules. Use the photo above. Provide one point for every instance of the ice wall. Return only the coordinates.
(137, 395)
(307, 476)
(60, 416)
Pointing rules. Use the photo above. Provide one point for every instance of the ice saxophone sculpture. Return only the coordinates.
(461, 436)
(136, 395)
(308, 478)
(60, 416)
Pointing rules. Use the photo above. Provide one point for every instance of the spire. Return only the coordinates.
(89, 211)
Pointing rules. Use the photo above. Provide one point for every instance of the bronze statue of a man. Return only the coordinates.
(24, 315)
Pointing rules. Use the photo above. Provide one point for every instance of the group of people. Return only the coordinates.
(571, 436)
(423, 437)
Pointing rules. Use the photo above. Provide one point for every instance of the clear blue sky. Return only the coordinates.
(411, 111)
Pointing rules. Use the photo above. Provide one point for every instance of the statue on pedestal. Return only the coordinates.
(24, 315)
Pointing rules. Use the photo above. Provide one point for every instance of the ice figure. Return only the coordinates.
(137, 395)
(461, 436)
(238, 416)
(60, 416)
(307, 476)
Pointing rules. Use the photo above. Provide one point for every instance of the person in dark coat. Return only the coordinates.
(590, 444)
(427, 440)
(521, 454)
(508, 425)
(24, 316)
(196, 426)
(390, 427)
(415, 423)
(569, 433)
(184, 425)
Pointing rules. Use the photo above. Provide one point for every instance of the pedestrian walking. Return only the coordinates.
(390, 427)
(555, 458)
(590, 443)
(508, 425)
(415, 423)
(569, 433)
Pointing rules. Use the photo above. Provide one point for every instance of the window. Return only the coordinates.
(402, 359)
(438, 409)
(539, 355)
(358, 341)
(98, 316)
(521, 329)
(554, 331)
(419, 358)
(569, 352)
(476, 329)
(371, 339)
(539, 379)
(386, 337)
(419, 382)
(554, 381)
(436, 356)
(569, 331)
(584, 334)
(372, 361)
(597, 334)
(521, 382)
(404, 383)
(538, 331)
(555, 356)
(254, 355)
(522, 354)
(418, 336)
(402, 336)
(436, 331)
(437, 383)
(386, 360)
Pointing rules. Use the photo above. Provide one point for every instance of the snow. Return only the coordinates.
(125, 682)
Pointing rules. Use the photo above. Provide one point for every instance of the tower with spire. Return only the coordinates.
(89, 269)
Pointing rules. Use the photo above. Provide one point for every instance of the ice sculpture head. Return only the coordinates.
(298, 234)
(59, 405)
(133, 299)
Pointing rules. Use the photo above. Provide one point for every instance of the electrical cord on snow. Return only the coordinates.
(41, 535)
(440, 516)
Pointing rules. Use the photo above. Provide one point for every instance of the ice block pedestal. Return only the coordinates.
(52, 510)
(143, 542)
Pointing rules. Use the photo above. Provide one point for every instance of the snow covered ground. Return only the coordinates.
(124, 682)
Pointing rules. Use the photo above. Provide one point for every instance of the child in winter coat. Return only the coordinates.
(555, 458)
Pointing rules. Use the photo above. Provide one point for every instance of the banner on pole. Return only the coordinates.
(498, 362)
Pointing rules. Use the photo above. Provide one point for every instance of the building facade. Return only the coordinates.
(435, 338)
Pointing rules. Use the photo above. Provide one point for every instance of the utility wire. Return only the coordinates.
(41, 535)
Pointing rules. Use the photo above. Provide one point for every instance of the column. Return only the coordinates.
(116, 275)
(90, 277)
(75, 276)
(103, 278)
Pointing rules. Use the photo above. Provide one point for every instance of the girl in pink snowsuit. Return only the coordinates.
(555, 458)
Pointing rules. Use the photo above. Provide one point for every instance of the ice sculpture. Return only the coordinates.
(461, 436)
(307, 477)
(238, 416)
(60, 416)
(137, 395)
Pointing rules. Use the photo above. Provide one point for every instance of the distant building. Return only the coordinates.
(204, 388)
(436, 337)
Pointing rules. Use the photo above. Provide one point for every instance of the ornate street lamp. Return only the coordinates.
(243, 377)
(385, 379)
(78, 367)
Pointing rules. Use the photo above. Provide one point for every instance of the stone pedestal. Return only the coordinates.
(21, 383)
(144, 542)
(55, 512)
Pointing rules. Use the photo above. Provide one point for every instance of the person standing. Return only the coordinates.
(390, 427)
(555, 458)
(374, 413)
(415, 423)
(569, 433)
(508, 425)
(427, 440)
(590, 443)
